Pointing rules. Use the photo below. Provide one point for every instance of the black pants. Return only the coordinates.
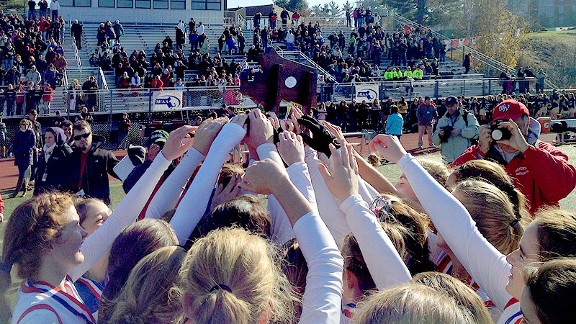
(78, 41)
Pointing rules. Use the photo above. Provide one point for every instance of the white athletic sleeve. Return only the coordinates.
(384, 263)
(194, 204)
(96, 245)
(300, 177)
(486, 265)
(281, 228)
(322, 298)
(268, 151)
(366, 191)
(327, 204)
(169, 193)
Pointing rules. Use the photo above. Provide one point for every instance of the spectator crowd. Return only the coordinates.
(32, 61)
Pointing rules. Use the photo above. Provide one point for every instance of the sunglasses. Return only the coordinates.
(79, 137)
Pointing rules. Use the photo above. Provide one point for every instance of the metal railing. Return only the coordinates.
(110, 101)
(102, 78)
(439, 88)
(298, 56)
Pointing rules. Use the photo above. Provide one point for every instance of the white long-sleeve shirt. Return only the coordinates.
(169, 193)
(487, 266)
(96, 245)
(322, 297)
(384, 263)
(195, 201)
(327, 204)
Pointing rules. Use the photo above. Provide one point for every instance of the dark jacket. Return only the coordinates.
(76, 30)
(24, 143)
(99, 164)
(135, 175)
(139, 171)
(49, 174)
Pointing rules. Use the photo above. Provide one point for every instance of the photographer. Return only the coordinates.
(539, 170)
(455, 130)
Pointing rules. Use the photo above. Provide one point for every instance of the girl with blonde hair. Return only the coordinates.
(231, 276)
(464, 296)
(411, 303)
(495, 174)
(550, 235)
(147, 296)
(44, 238)
(73, 94)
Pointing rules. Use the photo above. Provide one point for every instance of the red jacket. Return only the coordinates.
(156, 84)
(542, 173)
(48, 94)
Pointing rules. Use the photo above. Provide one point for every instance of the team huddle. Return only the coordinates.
(308, 232)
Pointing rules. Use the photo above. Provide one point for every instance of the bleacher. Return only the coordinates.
(145, 37)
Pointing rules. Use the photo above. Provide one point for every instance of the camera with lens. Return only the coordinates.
(447, 133)
(499, 133)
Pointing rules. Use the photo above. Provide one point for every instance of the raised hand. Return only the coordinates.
(261, 130)
(334, 130)
(287, 124)
(225, 193)
(517, 140)
(321, 137)
(388, 146)
(176, 145)
(485, 139)
(240, 119)
(291, 147)
(206, 133)
(264, 177)
(342, 181)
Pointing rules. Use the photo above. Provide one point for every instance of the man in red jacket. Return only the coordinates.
(540, 171)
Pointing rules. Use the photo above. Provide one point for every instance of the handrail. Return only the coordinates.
(206, 21)
(65, 77)
(103, 78)
(493, 63)
(77, 57)
(282, 52)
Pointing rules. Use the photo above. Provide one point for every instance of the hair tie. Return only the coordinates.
(514, 222)
(219, 286)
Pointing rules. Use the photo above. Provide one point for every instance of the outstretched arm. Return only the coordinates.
(322, 296)
(483, 261)
(384, 263)
(169, 193)
(195, 202)
(96, 245)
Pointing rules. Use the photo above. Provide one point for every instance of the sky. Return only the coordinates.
(242, 3)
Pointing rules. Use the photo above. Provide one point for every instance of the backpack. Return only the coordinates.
(473, 140)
